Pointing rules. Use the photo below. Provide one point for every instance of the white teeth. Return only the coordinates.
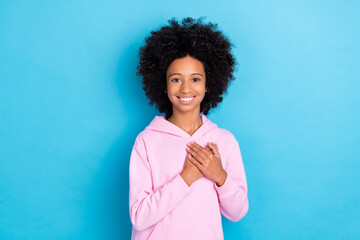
(186, 99)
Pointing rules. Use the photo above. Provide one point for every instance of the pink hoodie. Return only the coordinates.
(162, 205)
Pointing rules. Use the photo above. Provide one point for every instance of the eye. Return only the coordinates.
(196, 79)
(175, 80)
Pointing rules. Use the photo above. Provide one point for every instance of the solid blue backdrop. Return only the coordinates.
(71, 106)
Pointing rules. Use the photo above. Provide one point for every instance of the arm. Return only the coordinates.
(147, 206)
(233, 193)
(229, 181)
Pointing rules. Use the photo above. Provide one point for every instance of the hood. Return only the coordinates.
(160, 124)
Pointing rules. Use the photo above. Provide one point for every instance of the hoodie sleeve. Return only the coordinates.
(147, 206)
(233, 193)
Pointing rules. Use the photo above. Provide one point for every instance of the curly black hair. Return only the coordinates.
(203, 42)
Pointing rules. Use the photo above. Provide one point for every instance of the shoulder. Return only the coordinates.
(144, 137)
(146, 134)
(225, 134)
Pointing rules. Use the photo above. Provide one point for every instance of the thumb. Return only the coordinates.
(214, 149)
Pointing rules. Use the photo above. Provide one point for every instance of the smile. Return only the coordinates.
(186, 100)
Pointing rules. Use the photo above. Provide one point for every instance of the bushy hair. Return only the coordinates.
(203, 42)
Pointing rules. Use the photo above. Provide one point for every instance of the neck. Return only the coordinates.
(189, 122)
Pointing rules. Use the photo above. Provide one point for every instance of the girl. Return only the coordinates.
(184, 170)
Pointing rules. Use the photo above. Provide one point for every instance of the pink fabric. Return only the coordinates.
(162, 205)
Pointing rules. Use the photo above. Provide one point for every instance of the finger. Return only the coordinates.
(199, 151)
(213, 144)
(195, 162)
(205, 154)
(214, 148)
(195, 155)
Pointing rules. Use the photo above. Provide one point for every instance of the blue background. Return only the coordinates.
(71, 106)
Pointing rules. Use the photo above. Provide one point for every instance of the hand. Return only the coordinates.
(208, 161)
(190, 172)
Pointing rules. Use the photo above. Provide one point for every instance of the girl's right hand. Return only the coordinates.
(190, 173)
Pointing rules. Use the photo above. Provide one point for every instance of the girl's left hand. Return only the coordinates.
(208, 162)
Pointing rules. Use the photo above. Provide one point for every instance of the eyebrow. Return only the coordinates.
(181, 74)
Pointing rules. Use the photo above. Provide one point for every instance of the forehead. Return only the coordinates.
(185, 65)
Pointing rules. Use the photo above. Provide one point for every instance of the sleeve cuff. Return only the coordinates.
(180, 187)
(228, 186)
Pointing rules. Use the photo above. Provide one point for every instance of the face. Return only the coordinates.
(185, 80)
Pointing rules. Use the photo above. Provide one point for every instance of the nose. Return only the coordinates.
(185, 87)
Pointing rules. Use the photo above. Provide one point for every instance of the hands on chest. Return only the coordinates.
(202, 162)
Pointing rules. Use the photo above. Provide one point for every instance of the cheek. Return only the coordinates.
(171, 92)
(171, 89)
(201, 89)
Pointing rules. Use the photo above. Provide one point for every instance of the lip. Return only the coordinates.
(186, 102)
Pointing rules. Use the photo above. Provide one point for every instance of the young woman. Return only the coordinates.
(184, 170)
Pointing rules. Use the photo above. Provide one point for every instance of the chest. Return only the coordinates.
(167, 158)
